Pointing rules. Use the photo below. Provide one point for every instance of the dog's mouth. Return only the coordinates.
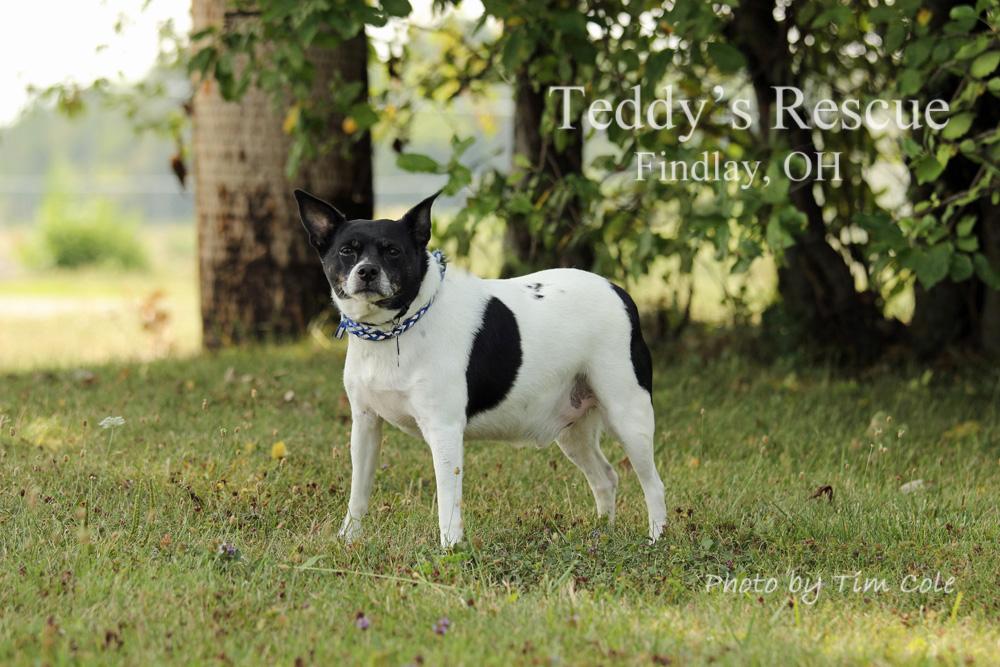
(371, 290)
(371, 294)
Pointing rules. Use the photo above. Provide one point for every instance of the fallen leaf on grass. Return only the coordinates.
(825, 490)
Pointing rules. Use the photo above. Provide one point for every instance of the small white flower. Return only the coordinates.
(111, 422)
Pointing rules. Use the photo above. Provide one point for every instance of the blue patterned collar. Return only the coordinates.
(367, 331)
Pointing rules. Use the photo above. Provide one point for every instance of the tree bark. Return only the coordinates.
(259, 278)
(815, 282)
(524, 249)
(989, 235)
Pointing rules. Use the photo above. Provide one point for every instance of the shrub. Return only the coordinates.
(77, 235)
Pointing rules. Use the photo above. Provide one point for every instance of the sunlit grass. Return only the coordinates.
(111, 539)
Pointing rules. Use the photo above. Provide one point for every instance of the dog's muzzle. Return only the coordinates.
(368, 281)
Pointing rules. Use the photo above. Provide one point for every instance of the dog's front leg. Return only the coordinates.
(366, 438)
(447, 450)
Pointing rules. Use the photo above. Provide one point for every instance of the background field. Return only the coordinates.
(53, 318)
(112, 539)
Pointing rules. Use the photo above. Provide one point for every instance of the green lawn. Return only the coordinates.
(110, 541)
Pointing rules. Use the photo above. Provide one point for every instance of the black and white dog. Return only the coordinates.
(555, 355)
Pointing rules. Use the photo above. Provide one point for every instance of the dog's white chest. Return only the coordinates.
(380, 388)
(394, 407)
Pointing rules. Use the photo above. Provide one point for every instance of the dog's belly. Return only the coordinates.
(533, 421)
(535, 417)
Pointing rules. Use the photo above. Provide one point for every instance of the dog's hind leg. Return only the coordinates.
(630, 418)
(628, 413)
(581, 443)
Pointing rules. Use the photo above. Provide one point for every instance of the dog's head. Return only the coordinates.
(372, 265)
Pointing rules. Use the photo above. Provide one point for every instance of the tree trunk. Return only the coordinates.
(259, 278)
(989, 237)
(815, 282)
(525, 249)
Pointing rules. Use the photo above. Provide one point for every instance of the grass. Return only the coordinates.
(110, 539)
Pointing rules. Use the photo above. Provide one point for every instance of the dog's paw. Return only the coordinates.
(452, 542)
(350, 530)
(655, 530)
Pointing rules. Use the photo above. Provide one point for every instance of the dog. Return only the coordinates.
(448, 356)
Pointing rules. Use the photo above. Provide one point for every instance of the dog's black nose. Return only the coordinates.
(368, 272)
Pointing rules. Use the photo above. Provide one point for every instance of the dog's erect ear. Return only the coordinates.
(319, 218)
(418, 219)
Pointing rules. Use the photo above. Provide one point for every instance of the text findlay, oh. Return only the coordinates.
(668, 112)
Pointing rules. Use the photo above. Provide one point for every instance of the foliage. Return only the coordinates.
(270, 50)
(907, 50)
(151, 104)
(937, 236)
(72, 235)
(835, 52)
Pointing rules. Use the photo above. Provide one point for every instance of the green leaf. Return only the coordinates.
(224, 76)
(944, 153)
(895, 36)
(778, 237)
(363, 115)
(918, 52)
(962, 12)
(459, 177)
(777, 191)
(910, 81)
(521, 161)
(515, 51)
(966, 225)
(838, 15)
(968, 243)
(460, 145)
(417, 162)
(911, 148)
(882, 14)
(396, 7)
(927, 169)
(985, 64)
(201, 60)
(973, 48)
(961, 267)
(931, 266)
(988, 274)
(656, 66)
(958, 125)
(942, 52)
(727, 58)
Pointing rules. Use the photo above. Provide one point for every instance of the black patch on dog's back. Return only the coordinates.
(495, 359)
(642, 361)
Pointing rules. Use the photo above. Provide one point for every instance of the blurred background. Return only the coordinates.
(148, 151)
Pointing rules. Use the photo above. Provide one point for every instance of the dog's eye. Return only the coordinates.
(347, 251)
(392, 251)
